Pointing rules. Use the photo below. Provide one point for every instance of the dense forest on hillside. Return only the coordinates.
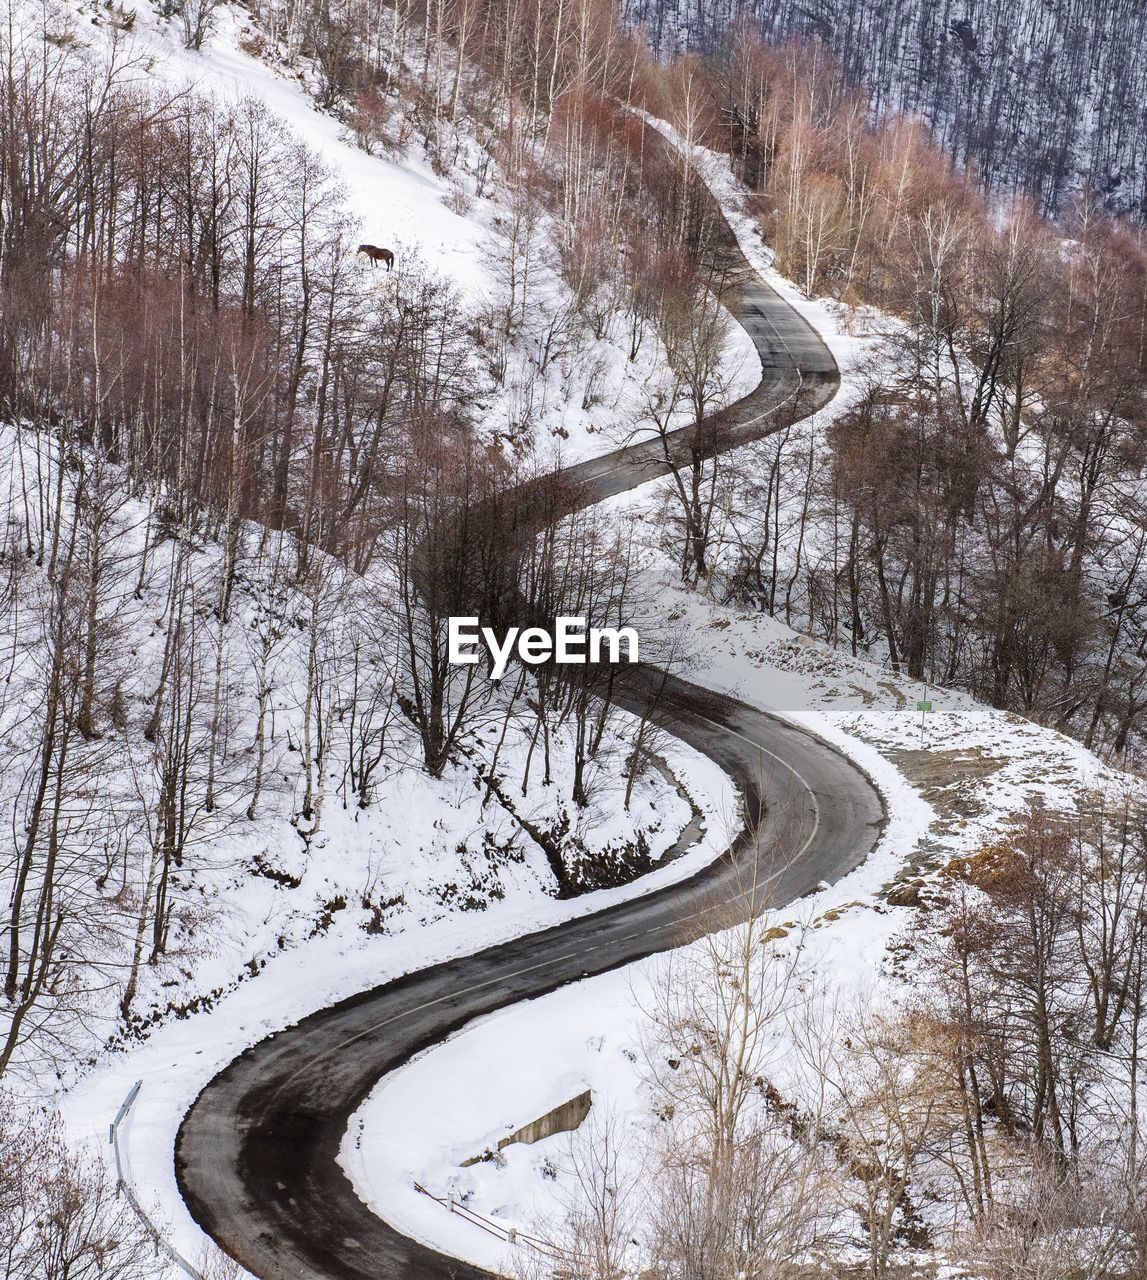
(1042, 96)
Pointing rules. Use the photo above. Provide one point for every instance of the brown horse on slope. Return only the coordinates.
(376, 255)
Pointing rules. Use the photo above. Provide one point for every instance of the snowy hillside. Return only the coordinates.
(272, 867)
(259, 815)
(980, 76)
(955, 779)
(245, 473)
(563, 382)
(952, 784)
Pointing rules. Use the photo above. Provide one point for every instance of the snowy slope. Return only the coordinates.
(949, 790)
(283, 926)
(416, 842)
(563, 409)
(951, 779)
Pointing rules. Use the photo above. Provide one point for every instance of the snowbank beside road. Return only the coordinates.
(977, 767)
(178, 1059)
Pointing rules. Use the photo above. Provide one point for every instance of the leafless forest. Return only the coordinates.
(238, 466)
(1041, 97)
(991, 1120)
(194, 362)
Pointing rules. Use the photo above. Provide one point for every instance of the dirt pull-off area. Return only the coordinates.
(948, 780)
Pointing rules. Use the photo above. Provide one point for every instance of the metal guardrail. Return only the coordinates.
(123, 1183)
(509, 1235)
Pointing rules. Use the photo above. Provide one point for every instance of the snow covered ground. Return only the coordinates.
(979, 767)
(180, 1057)
(408, 881)
(949, 792)
(563, 408)
(950, 784)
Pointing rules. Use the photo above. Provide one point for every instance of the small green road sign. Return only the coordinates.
(923, 706)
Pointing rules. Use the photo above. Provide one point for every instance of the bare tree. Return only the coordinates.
(60, 1217)
(879, 1097)
(694, 327)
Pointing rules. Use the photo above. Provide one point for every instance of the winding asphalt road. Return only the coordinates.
(256, 1157)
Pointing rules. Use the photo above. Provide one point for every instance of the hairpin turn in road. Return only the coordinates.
(256, 1156)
